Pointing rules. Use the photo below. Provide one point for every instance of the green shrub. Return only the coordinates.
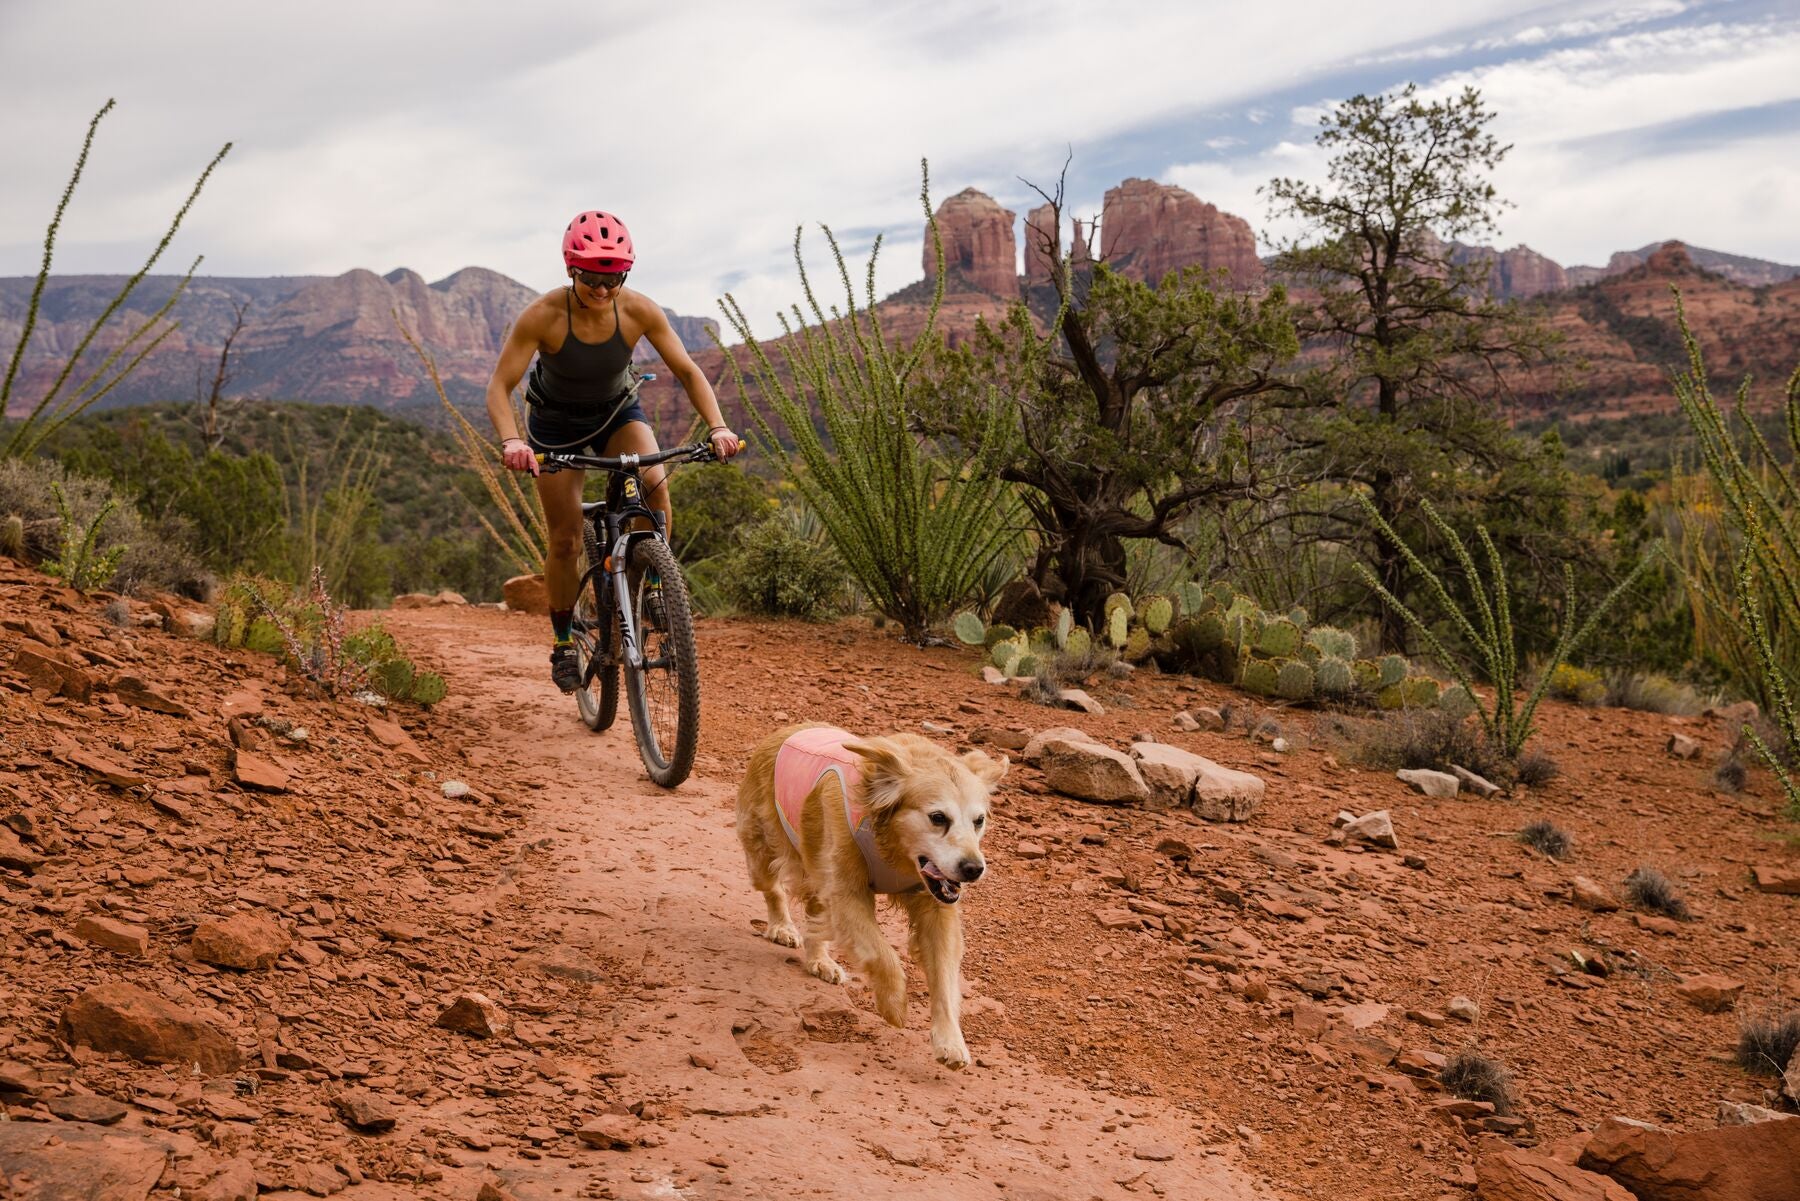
(712, 502)
(1652, 693)
(148, 557)
(1578, 684)
(781, 572)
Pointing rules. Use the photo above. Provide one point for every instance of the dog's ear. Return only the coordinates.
(988, 770)
(883, 774)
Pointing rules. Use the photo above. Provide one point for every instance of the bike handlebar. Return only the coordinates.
(697, 452)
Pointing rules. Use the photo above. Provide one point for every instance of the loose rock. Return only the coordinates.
(1710, 994)
(246, 941)
(114, 935)
(1464, 1010)
(1376, 829)
(1731, 1163)
(1431, 783)
(1683, 747)
(1478, 785)
(364, 1110)
(1588, 895)
(1089, 771)
(1518, 1174)
(473, 1013)
(1783, 878)
(127, 1019)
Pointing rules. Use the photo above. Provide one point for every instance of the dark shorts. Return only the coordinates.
(577, 433)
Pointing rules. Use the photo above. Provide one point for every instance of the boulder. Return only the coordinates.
(1781, 878)
(1088, 771)
(246, 941)
(527, 594)
(1431, 783)
(1731, 1163)
(127, 1019)
(364, 1111)
(1710, 994)
(1376, 829)
(472, 1013)
(1077, 698)
(1478, 785)
(75, 1161)
(1034, 746)
(1519, 1174)
(1589, 895)
(1740, 1113)
(1181, 778)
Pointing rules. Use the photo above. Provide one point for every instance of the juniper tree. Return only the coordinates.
(1131, 411)
(1410, 399)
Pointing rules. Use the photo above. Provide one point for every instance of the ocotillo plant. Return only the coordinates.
(918, 533)
(1507, 723)
(1760, 608)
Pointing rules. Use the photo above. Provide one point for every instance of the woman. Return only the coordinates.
(582, 398)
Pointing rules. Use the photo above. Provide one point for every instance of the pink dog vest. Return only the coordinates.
(804, 760)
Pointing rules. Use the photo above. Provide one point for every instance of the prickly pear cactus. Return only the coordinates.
(1026, 665)
(1261, 676)
(1310, 655)
(1157, 612)
(1280, 639)
(1393, 669)
(1299, 617)
(1004, 655)
(229, 624)
(1294, 681)
(1042, 642)
(1367, 674)
(1190, 598)
(970, 630)
(1421, 692)
(262, 635)
(1456, 701)
(1392, 696)
(1222, 592)
(394, 679)
(996, 635)
(1332, 676)
(429, 688)
(1118, 622)
(1340, 644)
(1137, 644)
(1065, 623)
(1080, 643)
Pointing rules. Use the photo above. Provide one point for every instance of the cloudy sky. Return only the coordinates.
(443, 134)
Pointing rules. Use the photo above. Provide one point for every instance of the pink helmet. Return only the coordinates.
(597, 241)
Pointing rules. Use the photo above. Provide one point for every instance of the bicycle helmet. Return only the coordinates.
(597, 241)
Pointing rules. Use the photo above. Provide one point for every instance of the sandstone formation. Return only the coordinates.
(1149, 229)
(977, 236)
(1516, 274)
(1732, 1163)
(1040, 234)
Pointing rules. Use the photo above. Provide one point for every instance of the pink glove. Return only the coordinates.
(516, 453)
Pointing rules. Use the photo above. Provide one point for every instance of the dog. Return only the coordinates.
(830, 819)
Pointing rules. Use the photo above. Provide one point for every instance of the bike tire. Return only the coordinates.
(664, 691)
(598, 697)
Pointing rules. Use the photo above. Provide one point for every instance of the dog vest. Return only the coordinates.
(807, 758)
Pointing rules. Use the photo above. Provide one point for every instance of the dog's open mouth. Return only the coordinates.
(942, 887)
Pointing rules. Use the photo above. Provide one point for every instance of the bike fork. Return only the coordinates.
(630, 652)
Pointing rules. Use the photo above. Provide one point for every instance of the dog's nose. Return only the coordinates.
(971, 870)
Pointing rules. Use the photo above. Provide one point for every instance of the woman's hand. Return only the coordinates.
(724, 442)
(517, 454)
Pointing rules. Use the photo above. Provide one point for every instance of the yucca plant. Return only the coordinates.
(918, 533)
(1507, 723)
(81, 562)
(1758, 611)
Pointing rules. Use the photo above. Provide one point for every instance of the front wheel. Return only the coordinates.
(665, 689)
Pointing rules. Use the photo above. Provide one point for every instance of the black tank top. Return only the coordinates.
(582, 375)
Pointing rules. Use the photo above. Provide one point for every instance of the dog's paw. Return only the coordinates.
(951, 1050)
(827, 970)
(783, 936)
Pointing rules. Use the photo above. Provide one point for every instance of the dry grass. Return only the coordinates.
(1419, 738)
(1475, 1077)
(1548, 837)
(1653, 892)
(1767, 1041)
(1649, 692)
(1535, 768)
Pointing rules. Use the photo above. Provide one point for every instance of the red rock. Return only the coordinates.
(74, 1161)
(1731, 1163)
(131, 1021)
(1310, 1021)
(1683, 747)
(116, 774)
(1148, 229)
(52, 671)
(473, 1013)
(1779, 878)
(611, 1132)
(246, 941)
(84, 1107)
(527, 594)
(1090, 771)
(1517, 1174)
(1588, 895)
(15, 855)
(1119, 919)
(114, 935)
(1030, 850)
(139, 695)
(255, 772)
(977, 236)
(236, 1181)
(364, 1110)
(1710, 994)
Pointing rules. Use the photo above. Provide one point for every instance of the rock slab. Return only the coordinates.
(1517, 1174)
(127, 1019)
(73, 1161)
(1731, 1163)
(246, 941)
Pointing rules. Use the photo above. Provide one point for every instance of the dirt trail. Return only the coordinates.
(767, 1082)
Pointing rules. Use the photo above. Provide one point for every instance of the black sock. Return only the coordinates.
(561, 620)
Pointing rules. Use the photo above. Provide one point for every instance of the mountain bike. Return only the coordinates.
(632, 615)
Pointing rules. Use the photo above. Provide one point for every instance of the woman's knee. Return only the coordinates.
(565, 544)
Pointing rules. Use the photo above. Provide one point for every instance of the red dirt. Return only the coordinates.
(1097, 1052)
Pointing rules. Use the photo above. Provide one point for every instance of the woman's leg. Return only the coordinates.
(560, 493)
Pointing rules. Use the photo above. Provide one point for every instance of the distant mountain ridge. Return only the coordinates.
(324, 339)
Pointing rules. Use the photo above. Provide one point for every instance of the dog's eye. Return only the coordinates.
(981, 821)
(941, 820)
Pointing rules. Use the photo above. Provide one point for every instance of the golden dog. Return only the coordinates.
(830, 819)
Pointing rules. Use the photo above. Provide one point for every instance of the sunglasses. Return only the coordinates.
(600, 280)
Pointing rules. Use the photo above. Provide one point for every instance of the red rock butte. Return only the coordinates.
(977, 235)
(1148, 229)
